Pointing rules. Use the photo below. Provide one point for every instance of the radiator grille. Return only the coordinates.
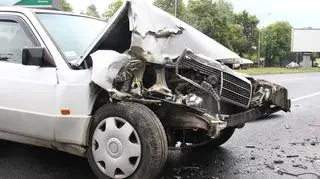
(233, 89)
(197, 66)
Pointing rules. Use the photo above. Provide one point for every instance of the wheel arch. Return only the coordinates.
(101, 98)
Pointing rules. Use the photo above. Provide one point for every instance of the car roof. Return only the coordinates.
(27, 10)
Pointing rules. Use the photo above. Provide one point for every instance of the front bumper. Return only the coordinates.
(278, 101)
(280, 98)
(238, 120)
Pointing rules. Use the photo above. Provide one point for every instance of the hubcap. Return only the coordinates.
(116, 147)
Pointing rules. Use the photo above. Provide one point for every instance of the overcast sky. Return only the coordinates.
(300, 13)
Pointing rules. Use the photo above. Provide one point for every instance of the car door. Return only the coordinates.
(27, 93)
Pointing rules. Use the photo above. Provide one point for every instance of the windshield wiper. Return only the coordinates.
(5, 56)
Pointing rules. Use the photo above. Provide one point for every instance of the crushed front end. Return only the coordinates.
(196, 98)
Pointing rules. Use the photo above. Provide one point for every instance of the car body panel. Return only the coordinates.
(48, 90)
(106, 66)
(24, 85)
(161, 35)
(40, 33)
(34, 98)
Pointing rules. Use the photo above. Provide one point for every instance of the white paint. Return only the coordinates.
(306, 97)
(106, 66)
(305, 40)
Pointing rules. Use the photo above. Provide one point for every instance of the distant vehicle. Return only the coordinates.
(293, 65)
(242, 64)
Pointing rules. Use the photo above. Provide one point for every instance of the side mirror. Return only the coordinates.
(33, 56)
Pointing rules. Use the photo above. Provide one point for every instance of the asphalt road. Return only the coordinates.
(289, 138)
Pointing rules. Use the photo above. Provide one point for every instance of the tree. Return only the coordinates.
(276, 39)
(212, 18)
(250, 30)
(112, 9)
(92, 11)
(66, 6)
(169, 6)
(238, 41)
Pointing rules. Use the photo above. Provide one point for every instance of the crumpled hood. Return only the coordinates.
(164, 35)
(161, 36)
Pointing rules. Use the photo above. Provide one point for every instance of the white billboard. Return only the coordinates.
(305, 40)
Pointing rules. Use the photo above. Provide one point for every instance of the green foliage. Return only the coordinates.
(169, 6)
(213, 19)
(217, 19)
(92, 11)
(276, 39)
(236, 31)
(66, 6)
(249, 25)
(112, 9)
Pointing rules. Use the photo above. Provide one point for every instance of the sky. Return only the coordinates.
(299, 13)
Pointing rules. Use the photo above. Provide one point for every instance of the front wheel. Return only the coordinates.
(127, 140)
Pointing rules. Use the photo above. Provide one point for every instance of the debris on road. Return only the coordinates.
(292, 156)
(190, 168)
(304, 143)
(316, 165)
(287, 126)
(284, 172)
(276, 147)
(278, 161)
(300, 166)
(314, 125)
(250, 147)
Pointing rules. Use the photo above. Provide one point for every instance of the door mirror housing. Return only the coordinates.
(33, 56)
(36, 56)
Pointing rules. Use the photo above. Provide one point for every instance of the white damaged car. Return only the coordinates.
(121, 93)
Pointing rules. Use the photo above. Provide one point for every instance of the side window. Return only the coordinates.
(13, 38)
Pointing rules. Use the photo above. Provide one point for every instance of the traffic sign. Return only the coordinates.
(45, 4)
(35, 3)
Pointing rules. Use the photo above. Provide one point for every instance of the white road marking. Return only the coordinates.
(305, 97)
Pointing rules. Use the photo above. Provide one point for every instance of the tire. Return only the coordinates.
(223, 137)
(148, 133)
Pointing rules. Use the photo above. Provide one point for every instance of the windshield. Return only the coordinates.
(73, 34)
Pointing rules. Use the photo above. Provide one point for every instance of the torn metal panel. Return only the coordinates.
(173, 69)
(106, 67)
(160, 85)
(165, 36)
(265, 91)
(160, 35)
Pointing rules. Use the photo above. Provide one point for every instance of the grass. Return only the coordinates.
(259, 71)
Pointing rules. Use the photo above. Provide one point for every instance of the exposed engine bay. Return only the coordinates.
(192, 95)
(195, 96)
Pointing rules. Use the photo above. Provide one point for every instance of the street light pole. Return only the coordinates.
(259, 42)
(259, 47)
(175, 7)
